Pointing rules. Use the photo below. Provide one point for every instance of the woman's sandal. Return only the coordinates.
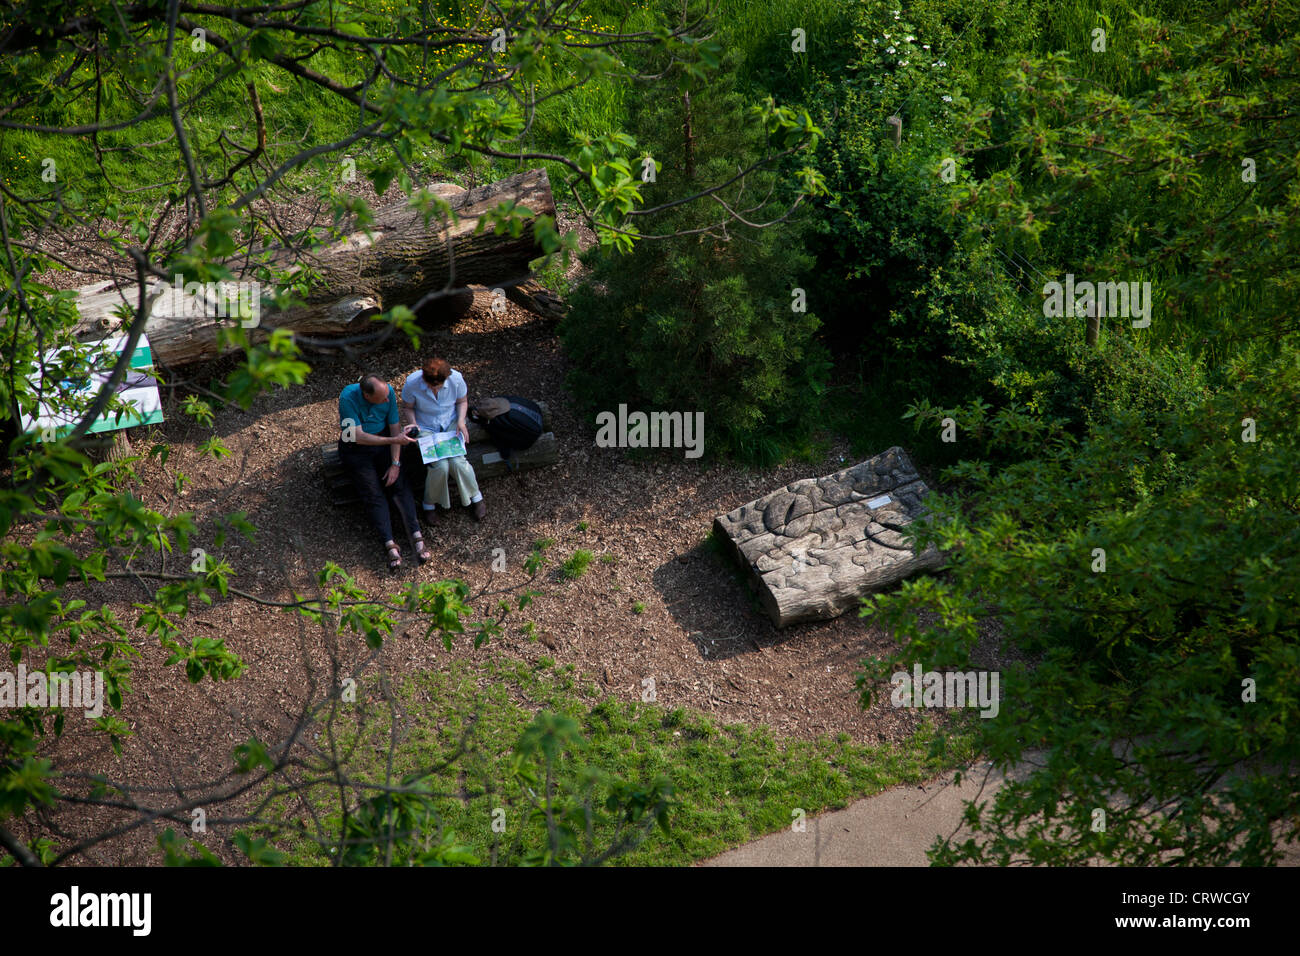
(394, 558)
(421, 551)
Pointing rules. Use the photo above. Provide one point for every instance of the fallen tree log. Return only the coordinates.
(816, 546)
(530, 295)
(353, 279)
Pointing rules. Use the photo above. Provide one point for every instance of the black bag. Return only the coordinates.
(511, 429)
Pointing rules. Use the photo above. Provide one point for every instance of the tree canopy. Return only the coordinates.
(164, 136)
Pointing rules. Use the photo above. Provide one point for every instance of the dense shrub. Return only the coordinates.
(1149, 572)
(895, 278)
(705, 321)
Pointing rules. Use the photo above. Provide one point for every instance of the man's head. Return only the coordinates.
(375, 389)
(435, 371)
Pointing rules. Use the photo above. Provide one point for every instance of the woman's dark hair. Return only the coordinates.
(436, 370)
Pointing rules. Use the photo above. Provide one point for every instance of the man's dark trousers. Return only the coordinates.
(414, 469)
(366, 464)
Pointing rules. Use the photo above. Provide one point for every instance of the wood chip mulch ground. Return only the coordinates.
(701, 636)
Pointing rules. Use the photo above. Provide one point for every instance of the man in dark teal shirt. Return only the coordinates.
(367, 410)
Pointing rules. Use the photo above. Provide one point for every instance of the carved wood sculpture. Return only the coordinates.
(816, 546)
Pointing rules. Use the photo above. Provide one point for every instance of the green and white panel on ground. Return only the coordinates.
(62, 401)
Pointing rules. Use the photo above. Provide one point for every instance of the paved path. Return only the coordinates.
(893, 828)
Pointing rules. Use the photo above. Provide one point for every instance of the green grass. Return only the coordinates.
(551, 272)
(577, 564)
(144, 153)
(293, 110)
(764, 31)
(733, 783)
(638, 607)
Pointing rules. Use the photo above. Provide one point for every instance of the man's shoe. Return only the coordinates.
(429, 516)
(480, 509)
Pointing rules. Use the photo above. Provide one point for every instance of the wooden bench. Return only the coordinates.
(480, 452)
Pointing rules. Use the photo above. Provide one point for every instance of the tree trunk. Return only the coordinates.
(689, 135)
(354, 278)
